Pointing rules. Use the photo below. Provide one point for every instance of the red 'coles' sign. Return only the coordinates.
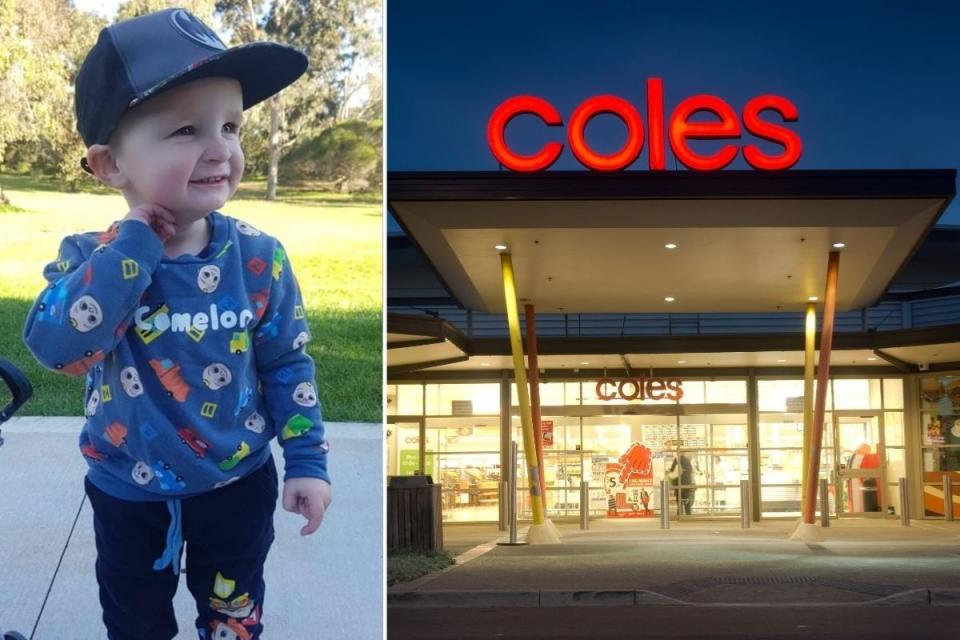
(679, 130)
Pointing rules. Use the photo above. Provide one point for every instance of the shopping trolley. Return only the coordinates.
(20, 391)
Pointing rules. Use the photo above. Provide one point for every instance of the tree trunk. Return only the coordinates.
(3, 197)
(272, 170)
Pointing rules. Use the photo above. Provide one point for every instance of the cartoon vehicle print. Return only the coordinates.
(81, 366)
(89, 451)
(259, 301)
(190, 438)
(278, 259)
(245, 394)
(154, 332)
(243, 450)
(268, 330)
(296, 426)
(115, 434)
(169, 480)
(52, 304)
(170, 378)
(240, 342)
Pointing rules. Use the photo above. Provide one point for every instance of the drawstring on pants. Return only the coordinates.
(171, 553)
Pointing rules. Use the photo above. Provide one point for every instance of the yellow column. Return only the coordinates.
(520, 374)
(811, 337)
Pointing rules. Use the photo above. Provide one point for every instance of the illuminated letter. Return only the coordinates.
(601, 389)
(681, 130)
(655, 389)
(780, 135)
(507, 111)
(657, 157)
(677, 387)
(636, 389)
(576, 133)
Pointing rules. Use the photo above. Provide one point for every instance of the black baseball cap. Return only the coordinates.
(139, 58)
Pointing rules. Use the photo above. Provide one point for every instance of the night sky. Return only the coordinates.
(876, 84)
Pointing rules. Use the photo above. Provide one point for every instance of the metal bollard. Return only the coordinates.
(904, 503)
(744, 504)
(948, 497)
(824, 502)
(512, 502)
(584, 504)
(504, 510)
(664, 504)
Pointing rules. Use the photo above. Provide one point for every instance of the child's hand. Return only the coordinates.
(309, 497)
(157, 218)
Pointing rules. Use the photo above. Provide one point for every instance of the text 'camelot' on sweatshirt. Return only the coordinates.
(193, 363)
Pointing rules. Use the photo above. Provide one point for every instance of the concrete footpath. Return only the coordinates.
(705, 563)
(328, 585)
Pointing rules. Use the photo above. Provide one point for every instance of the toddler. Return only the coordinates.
(190, 328)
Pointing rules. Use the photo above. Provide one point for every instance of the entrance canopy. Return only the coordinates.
(598, 243)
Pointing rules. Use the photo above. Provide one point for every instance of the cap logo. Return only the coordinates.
(191, 27)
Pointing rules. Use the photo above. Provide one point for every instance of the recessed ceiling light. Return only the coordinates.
(871, 359)
(584, 363)
(484, 364)
(670, 245)
(669, 299)
(501, 247)
(812, 298)
(781, 360)
(681, 362)
(839, 245)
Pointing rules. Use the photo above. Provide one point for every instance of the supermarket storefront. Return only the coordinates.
(726, 399)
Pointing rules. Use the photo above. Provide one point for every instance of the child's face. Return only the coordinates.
(181, 149)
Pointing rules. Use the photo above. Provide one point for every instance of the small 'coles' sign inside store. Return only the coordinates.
(640, 388)
(680, 129)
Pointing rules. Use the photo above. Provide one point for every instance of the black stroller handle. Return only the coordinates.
(19, 386)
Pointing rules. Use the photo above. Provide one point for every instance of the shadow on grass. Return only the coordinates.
(346, 348)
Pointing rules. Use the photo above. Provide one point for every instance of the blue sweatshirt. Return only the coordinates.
(193, 364)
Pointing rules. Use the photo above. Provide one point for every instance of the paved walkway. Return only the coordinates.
(328, 585)
(635, 562)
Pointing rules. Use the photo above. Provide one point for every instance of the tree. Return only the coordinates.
(329, 33)
(44, 43)
(203, 9)
(346, 154)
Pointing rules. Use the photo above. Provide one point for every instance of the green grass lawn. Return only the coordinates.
(333, 243)
(407, 565)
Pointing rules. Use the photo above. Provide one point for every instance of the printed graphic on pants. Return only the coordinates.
(240, 610)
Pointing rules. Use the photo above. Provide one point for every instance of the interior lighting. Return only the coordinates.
(501, 247)
(669, 299)
(839, 245)
(812, 298)
(670, 245)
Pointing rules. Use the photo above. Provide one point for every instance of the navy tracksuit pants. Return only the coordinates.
(228, 533)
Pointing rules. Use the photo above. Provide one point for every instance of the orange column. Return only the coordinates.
(535, 391)
(823, 378)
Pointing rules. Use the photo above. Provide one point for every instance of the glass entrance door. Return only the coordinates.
(858, 455)
(403, 447)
